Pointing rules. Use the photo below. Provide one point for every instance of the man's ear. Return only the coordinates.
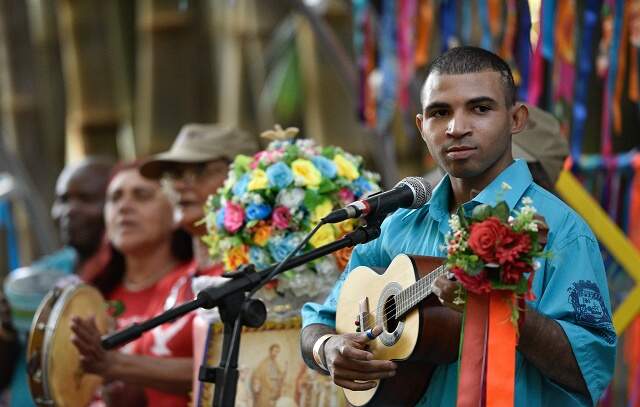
(520, 117)
(419, 118)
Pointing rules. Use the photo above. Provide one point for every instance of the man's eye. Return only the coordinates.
(438, 113)
(481, 109)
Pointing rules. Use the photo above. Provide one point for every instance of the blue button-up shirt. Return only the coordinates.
(570, 287)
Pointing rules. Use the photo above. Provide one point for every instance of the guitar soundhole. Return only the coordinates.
(390, 321)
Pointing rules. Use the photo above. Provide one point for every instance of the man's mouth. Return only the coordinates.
(460, 152)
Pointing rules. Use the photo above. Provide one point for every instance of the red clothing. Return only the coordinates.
(170, 340)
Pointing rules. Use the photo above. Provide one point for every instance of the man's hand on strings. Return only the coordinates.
(352, 365)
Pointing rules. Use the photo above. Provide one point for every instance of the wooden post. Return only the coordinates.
(241, 31)
(43, 26)
(98, 107)
(174, 71)
(21, 116)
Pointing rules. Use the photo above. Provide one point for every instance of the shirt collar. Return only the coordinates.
(516, 175)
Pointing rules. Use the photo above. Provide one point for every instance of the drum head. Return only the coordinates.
(65, 381)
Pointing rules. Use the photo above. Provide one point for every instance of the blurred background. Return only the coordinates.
(119, 78)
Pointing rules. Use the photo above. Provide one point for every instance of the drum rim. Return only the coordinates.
(38, 389)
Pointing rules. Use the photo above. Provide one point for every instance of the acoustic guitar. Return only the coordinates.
(418, 332)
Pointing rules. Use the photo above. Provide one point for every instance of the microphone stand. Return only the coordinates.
(230, 300)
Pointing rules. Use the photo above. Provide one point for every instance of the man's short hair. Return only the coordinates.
(467, 59)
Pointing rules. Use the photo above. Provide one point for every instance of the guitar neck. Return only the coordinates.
(411, 296)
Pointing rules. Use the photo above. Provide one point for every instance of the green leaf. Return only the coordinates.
(522, 286)
(481, 212)
(329, 152)
(241, 163)
(291, 154)
(474, 269)
(327, 186)
(312, 199)
(501, 210)
(464, 223)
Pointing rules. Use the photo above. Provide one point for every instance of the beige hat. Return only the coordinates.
(198, 143)
(541, 141)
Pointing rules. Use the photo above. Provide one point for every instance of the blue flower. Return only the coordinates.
(280, 247)
(279, 175)
(361, 186)
(259, 258)
(240, 188)
(327, 167)
(258, 211)
(220, 219)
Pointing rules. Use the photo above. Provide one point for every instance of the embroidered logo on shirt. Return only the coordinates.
(590, 310)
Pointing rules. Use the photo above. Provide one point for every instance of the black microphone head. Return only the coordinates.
(421, 190)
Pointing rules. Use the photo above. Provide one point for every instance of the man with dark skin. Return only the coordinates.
(469, 114)
(77, 211)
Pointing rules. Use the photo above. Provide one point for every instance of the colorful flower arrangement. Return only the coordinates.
(270, 201)
(491, 250)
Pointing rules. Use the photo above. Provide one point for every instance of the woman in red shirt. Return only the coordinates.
(149, 273)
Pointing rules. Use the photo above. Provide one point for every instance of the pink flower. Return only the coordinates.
(281, 217)
(346, 195)
(256, 159)
(233, 217)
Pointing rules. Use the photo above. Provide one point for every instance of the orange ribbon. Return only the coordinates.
(486, 375)
(501, 350)
(632, 335)
(423, 32)
(473, 351)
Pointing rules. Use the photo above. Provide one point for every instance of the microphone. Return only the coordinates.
(411, 192)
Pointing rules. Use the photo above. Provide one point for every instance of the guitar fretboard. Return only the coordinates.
(416, 292)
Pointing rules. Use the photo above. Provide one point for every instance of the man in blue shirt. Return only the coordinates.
(567, 342)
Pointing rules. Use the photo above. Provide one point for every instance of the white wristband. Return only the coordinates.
(316, 351)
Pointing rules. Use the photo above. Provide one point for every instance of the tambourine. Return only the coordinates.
(53, 362)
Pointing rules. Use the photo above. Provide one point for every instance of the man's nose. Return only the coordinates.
(458, 127)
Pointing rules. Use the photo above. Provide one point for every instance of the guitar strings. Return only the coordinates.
(424, 289)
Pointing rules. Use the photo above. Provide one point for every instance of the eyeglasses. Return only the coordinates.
(195, 172)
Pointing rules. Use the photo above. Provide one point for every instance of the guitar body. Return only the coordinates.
(425, 336)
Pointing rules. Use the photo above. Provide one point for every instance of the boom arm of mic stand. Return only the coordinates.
(210, 297)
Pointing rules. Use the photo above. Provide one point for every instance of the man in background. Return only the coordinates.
(193, 169)
(77, 212)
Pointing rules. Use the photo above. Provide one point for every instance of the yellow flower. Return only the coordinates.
(324, 235)
(345, 226)
(345, 167)
(321, 211)
(259, 180)
(261, 235)
(236, 257)
(305, 170)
